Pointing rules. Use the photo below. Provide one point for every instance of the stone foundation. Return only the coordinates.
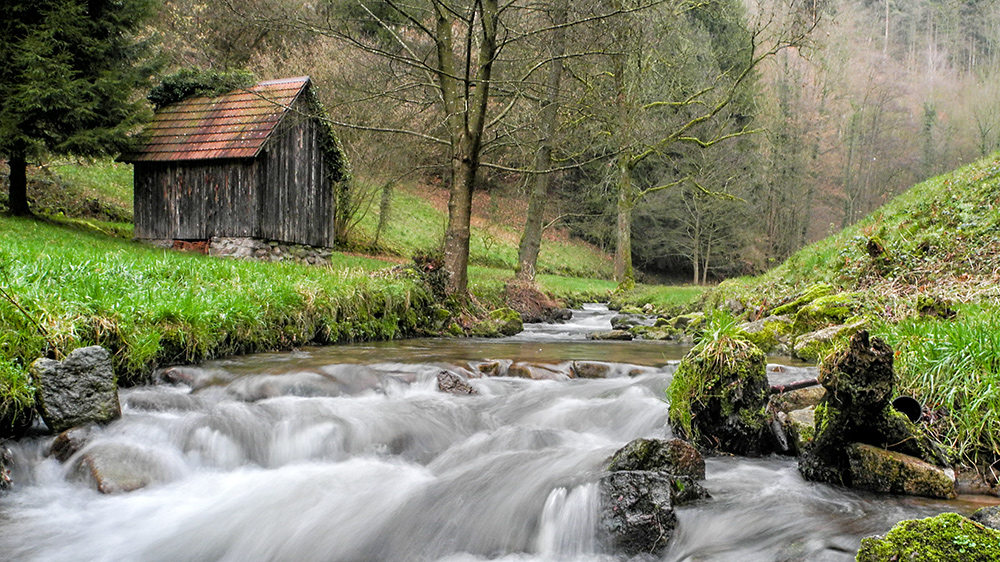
(248, 248)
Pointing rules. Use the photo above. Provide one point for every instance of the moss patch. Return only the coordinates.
(944, 538)
(719, 394)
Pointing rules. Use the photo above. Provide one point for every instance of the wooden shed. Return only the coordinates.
(254, 163)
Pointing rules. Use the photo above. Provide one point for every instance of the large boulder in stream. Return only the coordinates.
(856, 408)
(79, 390)
(646, 479)
(719, 395)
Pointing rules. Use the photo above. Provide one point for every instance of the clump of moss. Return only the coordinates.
(947, 537)
(807, 296)
(719, 394)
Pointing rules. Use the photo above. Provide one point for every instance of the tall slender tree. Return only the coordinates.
(69, 80)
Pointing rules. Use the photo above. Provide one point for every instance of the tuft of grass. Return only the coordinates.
(17, 395)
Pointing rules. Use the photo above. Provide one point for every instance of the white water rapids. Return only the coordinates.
(345, 454)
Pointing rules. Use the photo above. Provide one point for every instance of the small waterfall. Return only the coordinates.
(569, 522)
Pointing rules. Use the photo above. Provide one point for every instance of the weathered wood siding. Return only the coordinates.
(197, 200)
(297, 201)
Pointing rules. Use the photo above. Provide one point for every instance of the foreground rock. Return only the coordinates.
(78, 390)
(878, 470)
(647, 479)
(947, 537)
(719, 396)
(856, 408)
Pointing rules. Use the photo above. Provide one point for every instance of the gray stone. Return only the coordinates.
(453, 384)
(988, 516)
(626, 321)
(78, 390)
(69, 442)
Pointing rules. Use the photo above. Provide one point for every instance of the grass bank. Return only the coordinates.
(68, 287)
(922, 272)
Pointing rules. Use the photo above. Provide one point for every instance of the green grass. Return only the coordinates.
(417, 225)
(954, 367)
(107, 180)
(152, 307)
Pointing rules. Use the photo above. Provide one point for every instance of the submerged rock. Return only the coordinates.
(590, 369)
(69, 442)
(79, 390)
(860, 382)
(114, 468)
(948, 536)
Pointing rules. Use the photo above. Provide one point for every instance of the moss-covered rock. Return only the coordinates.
(878, 470)
(718, 397)
(824, 311)
(768, 333)
(673, 456)
(946, 538)
(860, 383)
(689, 323)
(807, 296)
(814, 346)
(500, 322)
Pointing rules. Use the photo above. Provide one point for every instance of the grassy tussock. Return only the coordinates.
(152, 307)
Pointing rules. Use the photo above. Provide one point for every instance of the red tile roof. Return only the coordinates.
(235, 125)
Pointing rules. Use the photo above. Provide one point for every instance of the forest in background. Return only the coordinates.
(872, 97)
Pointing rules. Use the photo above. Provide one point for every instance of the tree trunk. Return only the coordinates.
(623, 246)
(456, 239)
(531, 239)
(18, 186)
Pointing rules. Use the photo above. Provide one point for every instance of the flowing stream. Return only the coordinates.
(351, 453)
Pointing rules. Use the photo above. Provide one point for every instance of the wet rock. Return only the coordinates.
(613, 335)
(647, 479)
(113, 468)
(5, 459)
(860, 382)
(537, 372)
(590, 369)
(69, 442)
(673, 456)
(654, 334)
(626, 321)
(491, 369)
(813, 346)
(988, 516)
(453, 384)
(948, 536)
(718, 398)
(79, 390)
(637, 511)
(878, 470)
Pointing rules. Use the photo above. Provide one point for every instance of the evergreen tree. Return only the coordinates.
(69, 80)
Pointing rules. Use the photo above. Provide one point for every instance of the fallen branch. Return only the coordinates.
(781, 388)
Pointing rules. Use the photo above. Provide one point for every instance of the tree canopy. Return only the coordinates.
(69, 80)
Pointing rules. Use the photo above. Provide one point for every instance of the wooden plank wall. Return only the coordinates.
(196, 200)
(297, 197)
